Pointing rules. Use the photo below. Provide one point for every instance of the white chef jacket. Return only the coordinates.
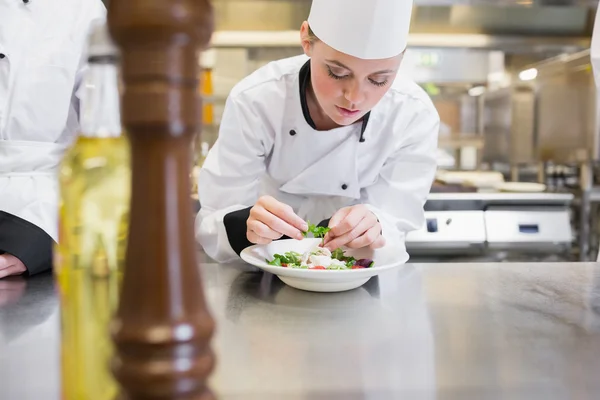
(267, 145)
(595, 59)
(42, 61)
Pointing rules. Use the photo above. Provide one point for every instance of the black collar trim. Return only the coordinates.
(304, 81)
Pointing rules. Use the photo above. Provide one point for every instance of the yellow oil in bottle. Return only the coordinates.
(94, 183)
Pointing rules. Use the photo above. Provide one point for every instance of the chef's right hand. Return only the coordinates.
(271, 219)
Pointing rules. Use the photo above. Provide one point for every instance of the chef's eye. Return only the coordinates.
(334, 76)
(378, 83)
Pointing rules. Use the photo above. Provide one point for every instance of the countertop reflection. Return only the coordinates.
(436, 331)
(29, 341)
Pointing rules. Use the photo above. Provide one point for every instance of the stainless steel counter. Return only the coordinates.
(451, 331)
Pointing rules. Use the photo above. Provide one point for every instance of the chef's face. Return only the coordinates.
(347, 87)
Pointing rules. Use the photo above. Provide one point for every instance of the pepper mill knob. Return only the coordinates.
(162, 328)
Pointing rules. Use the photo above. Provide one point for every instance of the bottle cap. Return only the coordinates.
(100, 43)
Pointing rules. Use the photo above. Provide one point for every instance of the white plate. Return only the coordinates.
(322, 280)
(521, 187)
(478, 179)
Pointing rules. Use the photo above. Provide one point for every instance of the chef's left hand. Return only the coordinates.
(10, 265)
(354, 227)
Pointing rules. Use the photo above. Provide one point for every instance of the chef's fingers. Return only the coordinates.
(4, 261)
(275, 223)
(348, 237)
(285, 213)
(355, 215)
(326, 239)
(263, 230)
(367, 239)
(256, 239)
(9, 259)
(379, 243)
(334, 222)
(337, 218)
(10, 270)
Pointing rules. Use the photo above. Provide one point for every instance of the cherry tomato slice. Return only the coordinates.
(318, 267)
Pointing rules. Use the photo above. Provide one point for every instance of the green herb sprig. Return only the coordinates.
(317, 231)
(290, 257)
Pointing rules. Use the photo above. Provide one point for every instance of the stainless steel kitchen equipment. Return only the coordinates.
(568, 130)
(494, 226)
(549, 122)
(551, 118)
(509, 126)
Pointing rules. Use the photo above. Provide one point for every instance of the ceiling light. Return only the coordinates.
(528, 74)
(477, 91)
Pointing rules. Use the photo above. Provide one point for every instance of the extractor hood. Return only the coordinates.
(494, 24)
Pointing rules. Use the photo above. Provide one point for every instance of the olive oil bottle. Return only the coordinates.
(94, 183)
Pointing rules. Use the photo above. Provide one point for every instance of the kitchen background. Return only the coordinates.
(519, 176)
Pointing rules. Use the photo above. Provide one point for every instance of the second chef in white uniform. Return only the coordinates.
(595, 59)
(334, 137)
(41, 65)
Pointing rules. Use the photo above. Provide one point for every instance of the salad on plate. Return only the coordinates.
(319, 258)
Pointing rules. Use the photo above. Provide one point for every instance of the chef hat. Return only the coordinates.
(368, 29)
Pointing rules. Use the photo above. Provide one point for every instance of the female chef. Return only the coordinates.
(332, 136)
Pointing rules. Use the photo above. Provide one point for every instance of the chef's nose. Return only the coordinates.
(354, 93)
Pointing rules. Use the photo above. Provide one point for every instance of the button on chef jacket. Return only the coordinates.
(41, 65)
(268, 145)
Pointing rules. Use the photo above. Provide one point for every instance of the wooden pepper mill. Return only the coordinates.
(162, 328)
